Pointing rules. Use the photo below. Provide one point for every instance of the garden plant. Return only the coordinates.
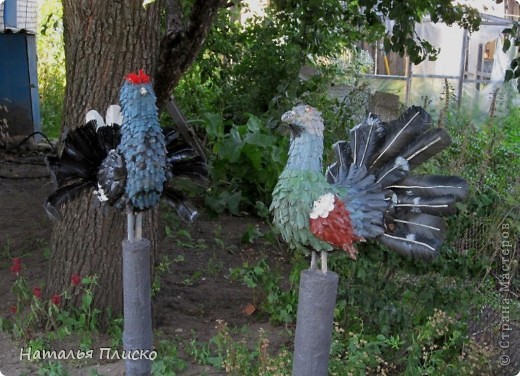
(393, 315)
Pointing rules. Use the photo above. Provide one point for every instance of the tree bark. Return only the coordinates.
(181, 44)
(87, 241)
(104, 41)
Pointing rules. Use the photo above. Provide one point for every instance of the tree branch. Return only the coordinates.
(175, 18)
(180, 46)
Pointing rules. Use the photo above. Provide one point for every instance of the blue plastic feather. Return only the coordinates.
(127, 165)
(142, 145)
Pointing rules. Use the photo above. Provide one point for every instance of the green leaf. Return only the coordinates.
(215, 361)
(387, 45)
(251, 234)
(261, 209)
(233, 203)
(184, 234)
(254, 155)
(507, 45)
(231, 150)
(86, 301)
(214, 125)
(509, 75)
(253, 124)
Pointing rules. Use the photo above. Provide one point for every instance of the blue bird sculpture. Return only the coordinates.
(128, 159)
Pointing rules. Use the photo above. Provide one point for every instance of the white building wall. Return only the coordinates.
(26, 15)
(486, 6)
(1, 15)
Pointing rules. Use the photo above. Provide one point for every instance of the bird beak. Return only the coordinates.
(288, 118)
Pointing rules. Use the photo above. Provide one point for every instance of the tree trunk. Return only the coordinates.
(181, 43)
(87, 241)
(104, 41)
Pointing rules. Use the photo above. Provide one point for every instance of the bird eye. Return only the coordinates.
(143, 91)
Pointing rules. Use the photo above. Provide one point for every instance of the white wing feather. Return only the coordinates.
(94, 115)
(114, 115)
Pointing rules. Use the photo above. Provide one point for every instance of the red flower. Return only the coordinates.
(37, 292)
(13, 309)
(17, 261)
(16, 268)
(56, 299)
(75, 279)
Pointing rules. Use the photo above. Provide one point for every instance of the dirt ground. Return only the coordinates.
(193, 295)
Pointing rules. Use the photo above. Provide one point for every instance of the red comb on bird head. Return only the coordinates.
(138, 78)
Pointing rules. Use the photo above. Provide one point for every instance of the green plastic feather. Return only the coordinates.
(293, 198)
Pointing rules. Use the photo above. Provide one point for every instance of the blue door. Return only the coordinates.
(16, 88)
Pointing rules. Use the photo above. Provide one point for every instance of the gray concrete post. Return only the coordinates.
(137, 331)
(314, 322)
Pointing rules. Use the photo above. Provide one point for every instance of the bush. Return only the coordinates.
(426, 304)
(254, 68)
(51, 66)
(399, 316)
(245, 163)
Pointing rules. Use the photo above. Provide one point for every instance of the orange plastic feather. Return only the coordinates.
(336, 229)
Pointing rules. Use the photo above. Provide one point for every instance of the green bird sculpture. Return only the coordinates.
(369, 192)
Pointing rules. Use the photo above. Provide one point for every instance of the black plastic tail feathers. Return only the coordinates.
(111, 180)
(414, 204)
(90, 160)
(182, 206)
(182, 159)
(400, 134)
(76, 168)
